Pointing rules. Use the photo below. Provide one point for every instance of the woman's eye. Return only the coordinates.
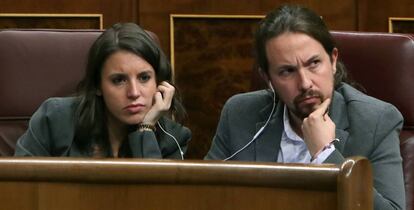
(118, 80)
(144, 77)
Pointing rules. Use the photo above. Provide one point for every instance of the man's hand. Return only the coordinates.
(318, 128)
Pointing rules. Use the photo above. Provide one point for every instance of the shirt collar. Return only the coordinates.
(290, 134)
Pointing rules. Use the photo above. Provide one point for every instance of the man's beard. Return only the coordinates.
(305, 110)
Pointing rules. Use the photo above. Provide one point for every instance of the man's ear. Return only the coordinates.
(334, 59)
(264, 75)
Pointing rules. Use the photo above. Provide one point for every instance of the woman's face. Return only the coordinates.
(128, 85)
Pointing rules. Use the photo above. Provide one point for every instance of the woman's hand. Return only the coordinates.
(318, 128)
(162, 103)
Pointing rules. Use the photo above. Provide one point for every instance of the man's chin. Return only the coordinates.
(304, 112)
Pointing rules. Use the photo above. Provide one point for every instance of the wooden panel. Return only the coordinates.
(69, 183)
(373, 15)
(401, 25)
(113, 11)
(212, 56)
(154, 14)
(51, 21)
(69, 196)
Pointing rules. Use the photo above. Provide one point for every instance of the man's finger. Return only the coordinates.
(323, 108)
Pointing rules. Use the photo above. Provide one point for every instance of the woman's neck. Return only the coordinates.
(117, 132)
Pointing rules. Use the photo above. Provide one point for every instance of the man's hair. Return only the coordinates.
(296, 19)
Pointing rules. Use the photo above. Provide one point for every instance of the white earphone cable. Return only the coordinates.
(175, 140)
(259, 131)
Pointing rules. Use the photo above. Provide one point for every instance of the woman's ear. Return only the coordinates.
(264, 75)
(98, 92)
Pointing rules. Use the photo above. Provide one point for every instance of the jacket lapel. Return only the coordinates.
(267, 143)
(339, 116)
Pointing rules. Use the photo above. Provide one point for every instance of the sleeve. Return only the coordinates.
(144, 144)
(219, 150)
(386, 161)
(323, 155)
(36, 140)
(173, 140)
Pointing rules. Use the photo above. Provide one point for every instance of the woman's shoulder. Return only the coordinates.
(57, 111)
(59, 102)
(50, 131)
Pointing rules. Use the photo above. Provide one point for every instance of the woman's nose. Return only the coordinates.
(132, 90)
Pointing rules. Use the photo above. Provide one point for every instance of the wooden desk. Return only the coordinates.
(87, 184)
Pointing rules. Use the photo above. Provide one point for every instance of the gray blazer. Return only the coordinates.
(51, 133)
(365, 126)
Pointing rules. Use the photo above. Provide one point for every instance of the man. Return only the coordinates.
(312, 116)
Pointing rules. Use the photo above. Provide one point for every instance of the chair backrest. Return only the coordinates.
(36, 64)
(383, 64)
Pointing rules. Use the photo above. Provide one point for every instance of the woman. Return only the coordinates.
(121, 107)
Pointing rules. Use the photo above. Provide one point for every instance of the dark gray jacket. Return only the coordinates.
(366, 127)
(51, 133)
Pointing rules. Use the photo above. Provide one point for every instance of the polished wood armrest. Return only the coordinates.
(73, 183)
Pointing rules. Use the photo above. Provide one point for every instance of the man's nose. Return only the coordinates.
(305, 81)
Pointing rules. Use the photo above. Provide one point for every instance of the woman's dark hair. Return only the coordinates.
(293, 18)
(90, 111)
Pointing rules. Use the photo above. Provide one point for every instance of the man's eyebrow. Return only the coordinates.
(311, 59)
(286, 66)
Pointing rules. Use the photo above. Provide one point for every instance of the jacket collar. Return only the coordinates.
(339, 115)
(268, 143)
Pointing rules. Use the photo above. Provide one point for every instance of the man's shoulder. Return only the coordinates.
(254, 98)
(356, 101)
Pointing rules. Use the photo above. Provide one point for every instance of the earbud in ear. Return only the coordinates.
(271, 86)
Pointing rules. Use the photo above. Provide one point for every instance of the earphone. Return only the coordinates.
(175, 140)
(260, 131)
(273, 90)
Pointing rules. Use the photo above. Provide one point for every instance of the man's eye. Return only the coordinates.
(286, 71)
(315, 63)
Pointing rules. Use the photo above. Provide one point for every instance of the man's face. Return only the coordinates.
(301, 71)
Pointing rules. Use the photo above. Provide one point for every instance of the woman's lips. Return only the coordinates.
(134, 108)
